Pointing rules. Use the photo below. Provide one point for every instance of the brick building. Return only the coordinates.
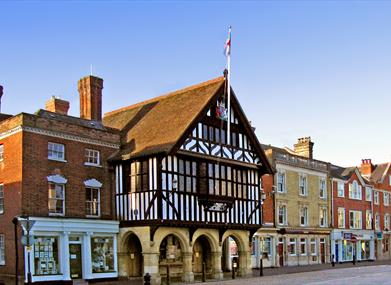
(379, 177)
(54, 176)
(352, 237)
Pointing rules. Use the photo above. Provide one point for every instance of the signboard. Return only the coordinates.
(347, 236)
(379, 235)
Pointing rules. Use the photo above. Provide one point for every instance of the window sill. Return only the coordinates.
(93, 217)
(56, 214)
(91, 164)
(57, 159)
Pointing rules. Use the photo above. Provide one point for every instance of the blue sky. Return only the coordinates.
(299, 68)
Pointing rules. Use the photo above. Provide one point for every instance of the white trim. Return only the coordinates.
(58, 179)
(93, 183)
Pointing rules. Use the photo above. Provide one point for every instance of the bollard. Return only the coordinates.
(168, 275)
(203, 272)
(147, 279)
(261, 267)
(354, 259)
(233, 272)
(332, 261)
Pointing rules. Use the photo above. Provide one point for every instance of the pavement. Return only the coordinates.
(366, 272)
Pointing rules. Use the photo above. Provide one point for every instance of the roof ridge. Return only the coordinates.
(166, 95)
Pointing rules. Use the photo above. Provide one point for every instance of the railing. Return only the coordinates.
(302, 161)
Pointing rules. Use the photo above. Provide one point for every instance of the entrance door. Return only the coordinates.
(75, 261)
(280, 250)
(322, 250)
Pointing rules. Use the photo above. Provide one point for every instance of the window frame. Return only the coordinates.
(338, 189)
(343, 211)
(303, 241)
(313, 242)
(87, 188)
(377, 222)
(303, 213)
(2, 249)
(50, 152)
(285, 216)
(303, 185)
(56, 199)
(87, 152)
(292, 241)
(283, 183)
(357, 223)
(368, 194)
(2, 199)
(323, 211)
(376, 197)
(386, 194)
(322, 183)
(387, 222)
(368, 220)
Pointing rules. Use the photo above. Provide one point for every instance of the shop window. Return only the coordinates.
(102, 254)
(303, 246)
(313, 246)
(46, 259)
(292, 246)
(266, 245)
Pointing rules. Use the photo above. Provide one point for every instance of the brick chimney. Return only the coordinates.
(90, 92)
(56, 105)
(1, 95)
(366, 167)
(304, 147)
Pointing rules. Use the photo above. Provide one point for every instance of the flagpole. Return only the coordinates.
(229, 91)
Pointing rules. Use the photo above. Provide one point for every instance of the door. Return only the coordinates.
(75, 263)
(281, 253)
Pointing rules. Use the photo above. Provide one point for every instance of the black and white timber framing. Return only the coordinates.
(203, 181)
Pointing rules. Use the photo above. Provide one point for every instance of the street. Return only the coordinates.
(380, 274)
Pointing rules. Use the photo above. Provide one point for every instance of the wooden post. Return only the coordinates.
(203, 272)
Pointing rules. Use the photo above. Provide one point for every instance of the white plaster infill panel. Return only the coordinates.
(93, 183)
(74, 225)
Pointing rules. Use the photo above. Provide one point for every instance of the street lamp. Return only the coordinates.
(27, 225)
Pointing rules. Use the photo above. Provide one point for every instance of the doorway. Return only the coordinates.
(75, 261)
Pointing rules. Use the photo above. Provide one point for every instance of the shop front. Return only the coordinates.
(66, 249)
(352, 245)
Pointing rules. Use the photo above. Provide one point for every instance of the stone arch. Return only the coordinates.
(180, 234)
(240, 237)
(211, 235)
(124, 237)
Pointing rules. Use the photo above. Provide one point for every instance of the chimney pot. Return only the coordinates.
(90, 92)
(304, 147)
(57, 105)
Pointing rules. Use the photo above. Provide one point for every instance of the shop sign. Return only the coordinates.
(347, 236)
(379, 235)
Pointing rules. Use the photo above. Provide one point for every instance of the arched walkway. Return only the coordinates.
(202, 258)
(135, 257)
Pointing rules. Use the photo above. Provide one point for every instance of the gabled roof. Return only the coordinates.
(379, 172)
(344, 173)
(156, 125)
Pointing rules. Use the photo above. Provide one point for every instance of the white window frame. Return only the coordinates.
(87, 157)
(2, 249)
(285, 216)
(377, 221)
(386, 198)
(323, 212)
(303, 241)
(93, 202)
(1, 152)
(368, 194)
(313, 243)
(387, 222)
(376, 197)
(2, 199)
(340, 184)
(292, 241)
(343, 215)
(355, 191)
(322, 188)
(303, 213)
(60, 181)
(356, 222)
(283, 183)
(303, 187)
(52, 149)
(368, 219)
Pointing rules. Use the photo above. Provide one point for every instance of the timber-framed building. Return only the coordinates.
(181, 191)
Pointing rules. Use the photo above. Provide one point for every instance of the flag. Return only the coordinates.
(227, 48)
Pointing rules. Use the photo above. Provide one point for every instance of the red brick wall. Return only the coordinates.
(37, 167)
(268, 205)
(349, 204)
(381, 209)
(11, 176)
